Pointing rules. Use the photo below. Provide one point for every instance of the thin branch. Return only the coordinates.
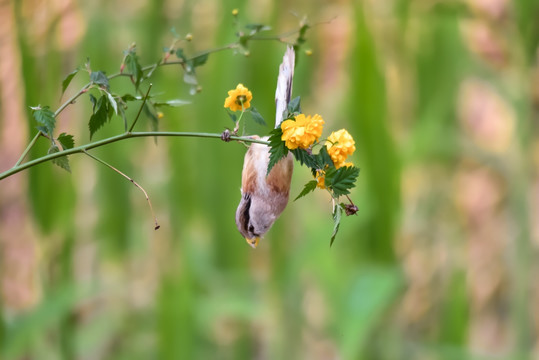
(157, 226)
(141, 106)
(28, 148)
(112, 139)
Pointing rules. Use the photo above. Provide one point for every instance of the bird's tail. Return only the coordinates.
(284, 84)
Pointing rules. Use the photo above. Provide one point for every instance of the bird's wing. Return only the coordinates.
(284, 84)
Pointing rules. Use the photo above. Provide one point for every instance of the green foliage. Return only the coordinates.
(100, 115)
(308, 188)
(62, 161)
(198, 60)
(256, 116)
(341, 180)
(44, 116)
(66, 141)
(68, 78)
(170, 103)
(278, 150)
(294, 106)
(112, 102)
(99, 78)
(337, 214)
(133, 66)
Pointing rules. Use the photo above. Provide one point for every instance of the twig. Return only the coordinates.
(140, 110)
(28, 148)
(157, 226)
(112, 139)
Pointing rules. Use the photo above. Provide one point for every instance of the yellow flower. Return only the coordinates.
(238, 96)
(340, 145)
(320, 178)
(302, 132)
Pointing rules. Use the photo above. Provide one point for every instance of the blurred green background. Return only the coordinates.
(440, 262)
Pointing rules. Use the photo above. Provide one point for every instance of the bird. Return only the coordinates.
(265, 196)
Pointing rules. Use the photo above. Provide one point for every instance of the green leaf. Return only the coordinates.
(256, 116)
(45, 116)
(93, 100)
(66, 141)
(294, 106)
(232, 116)
(68, 79)
(305, 158)
(180, 54)
(337, 214)
(100, 116)
(171, 103)
(154, 120)
(122, 113)
(133, 67)
(255, 28)
(129, 97)
(112, 102)
(340, 181)
(309, 187)
(278, 149)
(198, 60)
(62, 161)
(99, 78)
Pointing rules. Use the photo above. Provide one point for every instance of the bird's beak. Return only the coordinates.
(253, 242)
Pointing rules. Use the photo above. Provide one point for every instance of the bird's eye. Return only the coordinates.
(251, 228)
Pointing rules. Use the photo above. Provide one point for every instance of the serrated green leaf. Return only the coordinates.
(337, 215)
(305, 158)
(171, 103)
(256, 116)
(341, 180)
(294, 106)
(100, 116)
(133, 67)
(62, 161)
(278, 149)
(44, 116)
(68, 79)
(309, 187)
(112, 102)
(66, 141)
(198, 60)
(99, 78)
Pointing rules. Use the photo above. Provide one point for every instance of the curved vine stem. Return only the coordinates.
(112, 139)
(157, 226)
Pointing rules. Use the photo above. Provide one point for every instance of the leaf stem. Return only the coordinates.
(157, 226)
(27, 150)
(140, 109)
(112, 139)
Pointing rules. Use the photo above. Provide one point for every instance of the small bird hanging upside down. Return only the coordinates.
(263, 198)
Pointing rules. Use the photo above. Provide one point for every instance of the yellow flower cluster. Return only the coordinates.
(302, 132)
(240, 95)
(340, 145)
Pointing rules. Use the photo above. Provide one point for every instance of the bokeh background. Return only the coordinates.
(440, 262)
